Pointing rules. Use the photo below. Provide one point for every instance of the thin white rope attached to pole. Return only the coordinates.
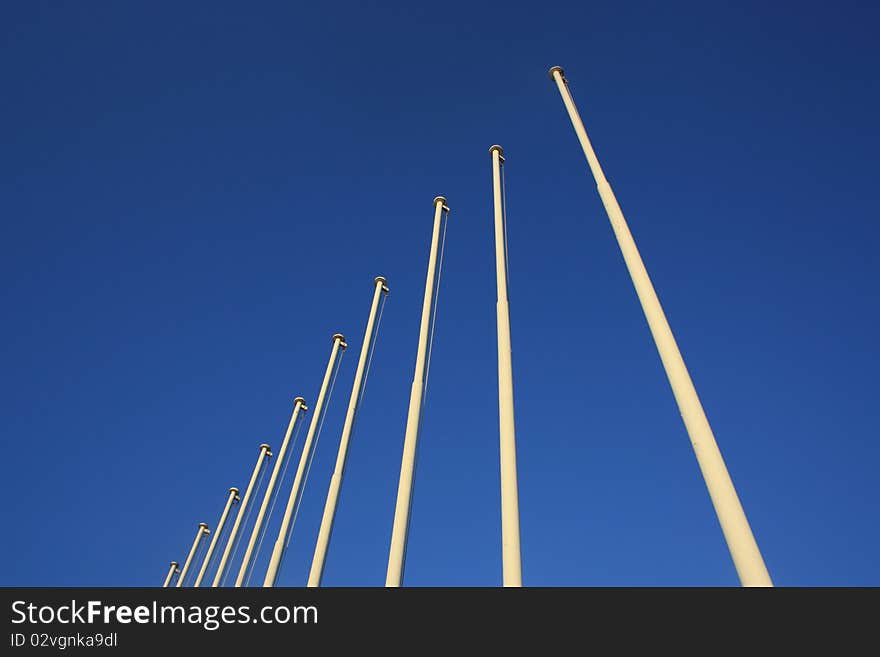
(504, 221)
(247, 516)
(434, 312)
(216, 555)
(372, 349)
(312, 455)
(265, 526)
(428, 360)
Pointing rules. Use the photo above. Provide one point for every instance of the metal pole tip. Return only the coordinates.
(299, 400)
(379, 279)
(204, 527)
(440, 199)
(265, 445)
(498, 148)
(233, 490)
(174, 563)
(338, 336)
(555, 69)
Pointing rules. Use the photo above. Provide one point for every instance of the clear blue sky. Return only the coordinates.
(194, 198)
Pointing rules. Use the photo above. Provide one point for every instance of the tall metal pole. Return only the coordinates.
(298, 405)
(265, 454)
(173, 569)
(324, 532)
(202, 531)
(278, 550)
(740, 541)
(232, 499)
(400, 530)
(510, 549)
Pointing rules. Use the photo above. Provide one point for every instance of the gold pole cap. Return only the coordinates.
(498, 148)
(204, 527)
(266, 445)
(338, 336)
(300, 400)
(555, 69)
(233, 490)
(175, 564)
(440, 199)
(379, 279)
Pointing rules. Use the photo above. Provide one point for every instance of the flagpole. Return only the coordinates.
(510, 539)
(299, 404)
(233, 497)
(265, 454)
(400, 530)
(279, 549)
(173, 569)
(201, 532)
(740, 540)
(326, 528)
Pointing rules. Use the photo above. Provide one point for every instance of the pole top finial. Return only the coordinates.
(174, 564)
(204, 527)
(338, 336)
(556, 69)
(380, 280)
(496, 147)
(266, 445)
(300, 401)
(233, 490)
(440, 199)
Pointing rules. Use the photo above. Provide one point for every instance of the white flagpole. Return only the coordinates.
(326, 528)
(299, 404)
(202, 531)
(510, 547)
(265, 454)
(740, 541)
(400, 530)
(173, 569)
(278, 550)
(233, 497)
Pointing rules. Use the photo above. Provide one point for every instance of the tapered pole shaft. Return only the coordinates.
(202, 531)
(280, 543)
(299, 404)
(242, 508)
(741, 542)
(233, 496)
(326, 528)
(173, 569)
(400, 529)
(510, 548)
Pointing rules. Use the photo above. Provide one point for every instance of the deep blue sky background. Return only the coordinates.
(194, 197)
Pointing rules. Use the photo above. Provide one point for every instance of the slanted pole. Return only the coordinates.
(326, 528)
(200, 533)
(173, 569)
(265, 455)
(741, 542)
(299, 404)
(233, 497)
(510, 549)
(281, 541)
(400, 530)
